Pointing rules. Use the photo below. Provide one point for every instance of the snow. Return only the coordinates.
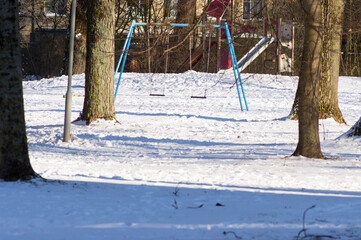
(183, 168)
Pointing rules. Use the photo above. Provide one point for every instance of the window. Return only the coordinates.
(252, 9)
(55, 7)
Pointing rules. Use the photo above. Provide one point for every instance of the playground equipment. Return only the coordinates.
(283, 38)
(258, 49)
(237, 75)
(255, 52)
(194, 61)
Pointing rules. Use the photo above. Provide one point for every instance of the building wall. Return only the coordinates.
(43, 37)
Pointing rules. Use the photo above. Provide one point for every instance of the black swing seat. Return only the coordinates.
(198, 97)
(157, 94)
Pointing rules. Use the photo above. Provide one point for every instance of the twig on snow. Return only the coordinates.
(304, 230)
(175, 204)
(176, 191)
(196, 207)
(235, 235)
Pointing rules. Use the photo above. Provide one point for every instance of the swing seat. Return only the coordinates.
(157, 94)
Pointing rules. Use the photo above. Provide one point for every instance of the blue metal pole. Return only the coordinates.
(234, 62)
(236, 65)
(177, 25)
(125, 52)
(240, 80)
(125, 44)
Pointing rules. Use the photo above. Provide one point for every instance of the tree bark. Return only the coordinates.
(14, 158)
(333, 11)
(99, 72)
(186, 11)
(355, 130)
(309, 142)
(332, 17)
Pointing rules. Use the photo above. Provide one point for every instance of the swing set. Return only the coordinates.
(123, 57)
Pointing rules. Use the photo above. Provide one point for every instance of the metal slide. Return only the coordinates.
(254, 52)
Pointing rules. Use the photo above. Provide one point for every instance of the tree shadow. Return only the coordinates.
(119, 209)
(221, 119)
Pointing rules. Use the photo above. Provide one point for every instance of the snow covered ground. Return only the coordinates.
(184, 168)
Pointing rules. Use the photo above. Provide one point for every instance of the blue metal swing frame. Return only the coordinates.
(236, 72)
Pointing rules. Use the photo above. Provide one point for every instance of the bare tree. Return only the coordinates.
(308, 85)
(99, 78)
(14, 158)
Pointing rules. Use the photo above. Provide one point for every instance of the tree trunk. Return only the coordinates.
(186, 11)
(186, 14)
(355, 130)
(331, 53)
(99, 73)
(14, 158)
(309, 142)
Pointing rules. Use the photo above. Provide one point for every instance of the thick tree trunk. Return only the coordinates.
(99, 73)
(331, 53)
(355, 130)
(14, 159)
(186, 14)
(309, 142)
(186, 11)
(332, 38)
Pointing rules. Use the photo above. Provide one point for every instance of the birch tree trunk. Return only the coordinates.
(308, 85)
(99, 72)
(14, 158)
